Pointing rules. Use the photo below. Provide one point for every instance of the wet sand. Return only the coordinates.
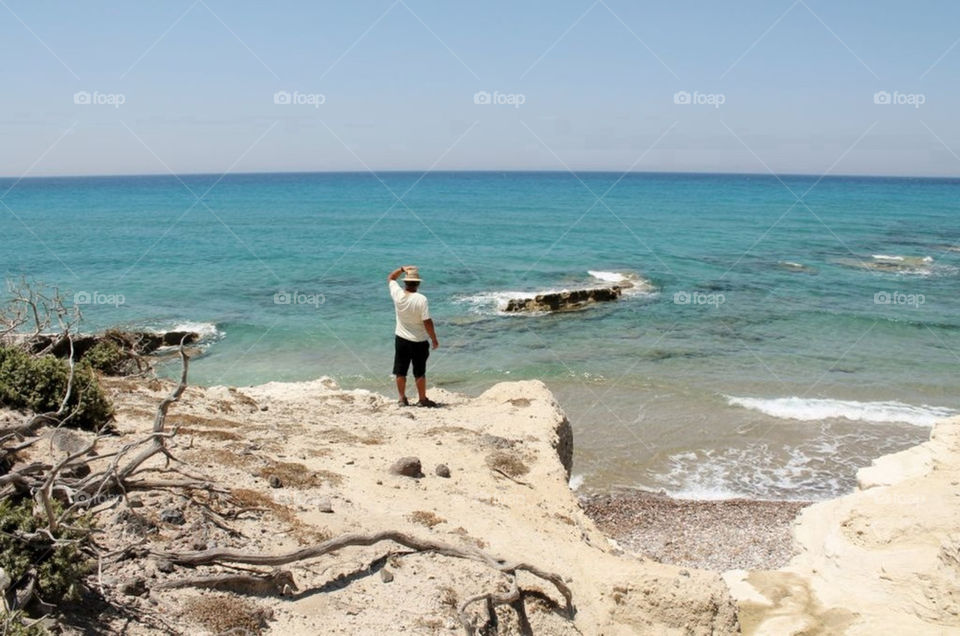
(717, 535)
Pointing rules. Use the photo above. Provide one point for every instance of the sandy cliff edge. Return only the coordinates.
(883, 559)
(332, 449)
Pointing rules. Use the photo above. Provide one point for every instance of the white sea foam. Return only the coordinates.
(575, 482)
(496, 301)
(207, 330)
(923, 266)
(755, 472)
(608, 277)
(632, 283)
(810, 409)
(900, 259)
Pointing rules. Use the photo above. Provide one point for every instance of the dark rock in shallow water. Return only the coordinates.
(565, 300)
(139, 342)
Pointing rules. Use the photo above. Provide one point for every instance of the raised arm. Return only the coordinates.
(395, 274)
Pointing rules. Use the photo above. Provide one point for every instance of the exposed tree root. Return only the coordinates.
(416, 544)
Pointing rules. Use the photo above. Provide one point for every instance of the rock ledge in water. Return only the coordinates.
(565, 300)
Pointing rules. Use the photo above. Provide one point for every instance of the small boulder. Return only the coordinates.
(134, 587)
(275, 482)
(386, 575)
(443, 471)
(325, 505)
(408, 467)
(172, 515)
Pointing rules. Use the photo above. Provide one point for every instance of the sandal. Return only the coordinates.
(428, 403)
(403, 402)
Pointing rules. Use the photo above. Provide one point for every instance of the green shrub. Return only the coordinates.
(39, 384)
(107, 357)
(16, 624)
(60, 569)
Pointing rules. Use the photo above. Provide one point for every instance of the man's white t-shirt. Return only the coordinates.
(412, 310)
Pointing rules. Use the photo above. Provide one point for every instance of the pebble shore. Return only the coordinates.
(717, 535)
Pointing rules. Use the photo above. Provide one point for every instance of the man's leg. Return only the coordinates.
(422, 352)
(401, 362)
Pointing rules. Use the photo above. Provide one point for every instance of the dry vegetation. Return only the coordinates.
(294, 475)
(509, 463)
(425, 518)
(223, 613)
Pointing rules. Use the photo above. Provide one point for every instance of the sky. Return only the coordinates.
(217, 86)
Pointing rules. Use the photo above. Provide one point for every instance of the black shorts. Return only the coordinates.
(407, 352)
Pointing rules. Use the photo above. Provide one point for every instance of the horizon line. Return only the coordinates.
(478, 171)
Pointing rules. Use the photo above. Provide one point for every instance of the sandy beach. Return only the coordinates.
(292, 465)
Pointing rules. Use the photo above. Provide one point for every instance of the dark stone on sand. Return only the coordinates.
(275, 482)
(565, 300)
(79, 470)
(172, 515)
(164, 566)
(443, 471)
(407, 467)
(386, 575)
(134, 587)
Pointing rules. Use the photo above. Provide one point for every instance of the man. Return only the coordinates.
(414, 327)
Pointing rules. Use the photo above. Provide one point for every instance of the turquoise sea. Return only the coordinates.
(793, 328)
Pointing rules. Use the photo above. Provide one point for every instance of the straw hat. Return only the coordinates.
(412, 274)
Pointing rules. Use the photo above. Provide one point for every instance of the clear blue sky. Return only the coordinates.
(597, 79)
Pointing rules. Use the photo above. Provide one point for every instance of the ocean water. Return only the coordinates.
(788, 330)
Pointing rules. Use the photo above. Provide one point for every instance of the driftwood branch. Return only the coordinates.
(157, 445)
(509, 568)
